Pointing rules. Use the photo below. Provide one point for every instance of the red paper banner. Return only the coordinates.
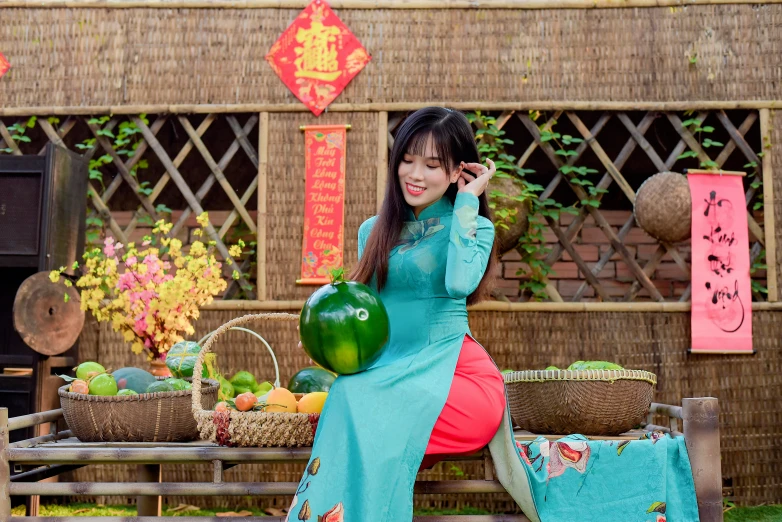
(4, 65)
(721, 287)
(317, 56)
(324, 202)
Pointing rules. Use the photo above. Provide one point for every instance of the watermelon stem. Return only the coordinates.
(337, 275)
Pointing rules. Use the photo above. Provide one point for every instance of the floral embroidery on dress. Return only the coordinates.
(466, 217)
(414, 232)
(305, 512)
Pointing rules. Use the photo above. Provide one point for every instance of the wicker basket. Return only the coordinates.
(663, 207)
(250, 428)
(146, 417)
(589, 402)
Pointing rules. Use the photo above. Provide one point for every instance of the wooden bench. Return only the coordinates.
(24, 464)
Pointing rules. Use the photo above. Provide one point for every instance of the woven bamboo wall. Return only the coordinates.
(79, 57)
(749, 387)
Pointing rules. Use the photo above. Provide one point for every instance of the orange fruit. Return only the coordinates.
(79, 386)
(312, 402)
(245, 401)
(221, 406)
(280, 400)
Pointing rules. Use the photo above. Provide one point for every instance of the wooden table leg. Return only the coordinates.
(702, 436)
(149, 506)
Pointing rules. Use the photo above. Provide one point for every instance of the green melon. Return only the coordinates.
(311, 379)
(181, 359)
(594, 365)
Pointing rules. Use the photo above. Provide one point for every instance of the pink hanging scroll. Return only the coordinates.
(721, 288)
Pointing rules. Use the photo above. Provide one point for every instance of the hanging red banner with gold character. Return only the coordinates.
(317, 56)
(4, 65)
(324, 202)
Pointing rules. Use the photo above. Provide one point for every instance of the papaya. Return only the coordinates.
(311, 379)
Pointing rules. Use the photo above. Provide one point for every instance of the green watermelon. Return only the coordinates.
(178, 384)
(311, 379)
(181, 359)
(344, 327)
(594, 365)
(133, 378)
(159, 386)
(126, 391)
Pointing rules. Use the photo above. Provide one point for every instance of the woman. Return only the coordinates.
(434, 391)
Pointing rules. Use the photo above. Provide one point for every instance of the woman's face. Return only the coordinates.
(423, 179)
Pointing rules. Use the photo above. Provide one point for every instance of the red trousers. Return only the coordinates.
(473, 410)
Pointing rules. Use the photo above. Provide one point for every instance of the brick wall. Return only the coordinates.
(615, 277)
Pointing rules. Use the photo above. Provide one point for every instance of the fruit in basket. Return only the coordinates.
(594, 365)
(551, 368)
(133, 378)
(311, 379)
(243, 381)
(226, 390)
(181, 359)
(126, 391)
(103, 384)
(344, 327)
(312, 402)
(245, 401)
(280, 400)
(221, 406)
(506, 370)
(263, 388)
(178, 384)
(159, 386)
(79, 386)
(88, 369)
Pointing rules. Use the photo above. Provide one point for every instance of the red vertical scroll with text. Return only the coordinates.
(721, 285)
(324, 202)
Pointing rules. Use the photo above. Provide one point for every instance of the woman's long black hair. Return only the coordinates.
(455, 142)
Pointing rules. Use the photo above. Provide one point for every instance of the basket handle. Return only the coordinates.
(212, 337)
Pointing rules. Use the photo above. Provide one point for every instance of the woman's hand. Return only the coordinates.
(475, 184)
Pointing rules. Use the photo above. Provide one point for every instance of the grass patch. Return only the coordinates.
(754, 514)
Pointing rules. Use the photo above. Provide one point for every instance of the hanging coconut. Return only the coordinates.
(663, 207)
(518, 222)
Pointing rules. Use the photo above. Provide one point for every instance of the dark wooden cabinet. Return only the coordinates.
(42, 226)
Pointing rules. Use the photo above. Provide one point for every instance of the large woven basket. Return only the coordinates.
(663, 207)
(250, 428)
(146, 417)
(589, 402)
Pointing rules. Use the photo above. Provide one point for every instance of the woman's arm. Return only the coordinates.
(363, 234)
(470, 245)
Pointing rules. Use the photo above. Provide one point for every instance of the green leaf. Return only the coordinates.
(692, 121)
(105, 132)
(31, 122)
(96, 174)
(758, 205)
(688, 154)
(750, 165)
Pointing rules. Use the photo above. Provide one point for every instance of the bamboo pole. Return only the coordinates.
(382, 156)
(154, 489)
(5, 468)
(565, 105)
(768, 206)
(34, 419)
(370, 4)
(499, 306)
(263, 165)
(432, 518)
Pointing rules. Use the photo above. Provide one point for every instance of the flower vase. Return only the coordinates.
(158, 368)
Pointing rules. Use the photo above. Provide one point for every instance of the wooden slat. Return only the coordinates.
(602, 223)
(187, 193)
(731, 145)
(263, 165)
(603, 157)
(768, 206)
(606, 256)
(687, 136)
(124, 172)
(737, 137)
(382, 158)
(9, 141)
(638, 136)
(164, 178)
(649, 269)
(241, 136)
(208, 183)
(218, 172)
